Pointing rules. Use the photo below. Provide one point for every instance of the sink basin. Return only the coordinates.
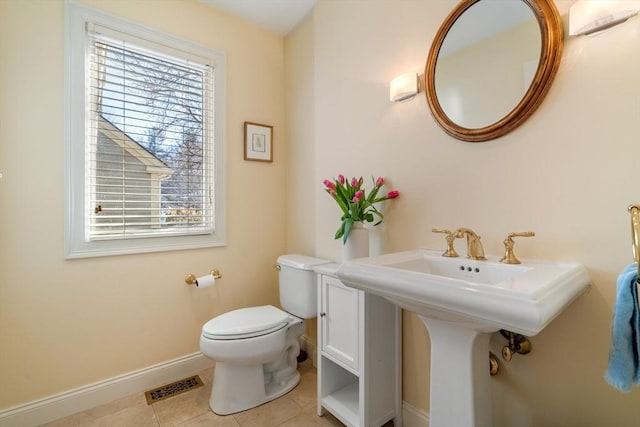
(461, 302)
(485, 295)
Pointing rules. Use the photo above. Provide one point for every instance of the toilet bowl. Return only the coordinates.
(256, 348)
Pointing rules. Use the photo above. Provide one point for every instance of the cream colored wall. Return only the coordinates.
(299, 70)
(568, 174)
(299, 95)
(65, 324)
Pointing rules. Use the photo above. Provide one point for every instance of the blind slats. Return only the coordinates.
(115, 79)
(148, 162)
(115, 55)
(135, 109)
(139, 103)
(112, 68)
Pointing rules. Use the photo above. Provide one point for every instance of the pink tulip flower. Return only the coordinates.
(330, 185)
(359, 207)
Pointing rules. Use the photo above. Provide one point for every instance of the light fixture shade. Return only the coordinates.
(403, 87)
(591, 16)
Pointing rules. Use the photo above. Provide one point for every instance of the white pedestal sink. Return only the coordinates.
(461, 302)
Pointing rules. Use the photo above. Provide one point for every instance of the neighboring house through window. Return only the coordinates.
(134, 192)
(145, 138)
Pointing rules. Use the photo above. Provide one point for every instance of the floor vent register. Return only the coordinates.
(173, 389)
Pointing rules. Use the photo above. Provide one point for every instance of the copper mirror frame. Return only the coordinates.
(552, 35)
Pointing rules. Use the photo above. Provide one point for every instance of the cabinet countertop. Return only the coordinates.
(327, 269)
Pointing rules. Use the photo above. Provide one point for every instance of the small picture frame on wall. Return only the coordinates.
(258, 142)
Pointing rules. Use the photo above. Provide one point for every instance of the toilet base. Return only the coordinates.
(237, 388)
(250, 387)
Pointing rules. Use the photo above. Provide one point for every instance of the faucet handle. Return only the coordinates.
(509, 257)
(450, 236)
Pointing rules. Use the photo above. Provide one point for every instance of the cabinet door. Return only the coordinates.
(339, 317)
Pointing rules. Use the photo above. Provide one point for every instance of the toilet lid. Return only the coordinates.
(246, 323)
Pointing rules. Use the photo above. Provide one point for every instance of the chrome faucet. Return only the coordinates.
(474, 245)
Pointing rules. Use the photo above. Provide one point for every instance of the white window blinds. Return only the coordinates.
(149, 142)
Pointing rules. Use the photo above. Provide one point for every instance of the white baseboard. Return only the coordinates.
(413, 417)
(87, 397)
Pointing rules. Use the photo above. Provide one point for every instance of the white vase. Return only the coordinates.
(357, 244)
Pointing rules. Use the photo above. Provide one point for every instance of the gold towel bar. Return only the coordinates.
(190, 279)
(634, 210)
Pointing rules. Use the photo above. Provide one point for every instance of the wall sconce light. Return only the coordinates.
(592, 16)
(404, 87)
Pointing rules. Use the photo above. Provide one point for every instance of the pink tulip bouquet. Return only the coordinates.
(354, 203)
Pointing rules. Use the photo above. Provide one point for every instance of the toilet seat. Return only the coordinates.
(246, 323)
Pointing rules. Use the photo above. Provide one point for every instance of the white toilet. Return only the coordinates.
(256, 348)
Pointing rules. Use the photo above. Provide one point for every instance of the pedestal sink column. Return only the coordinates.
(460, 380)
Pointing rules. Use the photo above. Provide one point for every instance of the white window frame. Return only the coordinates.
(77, 245)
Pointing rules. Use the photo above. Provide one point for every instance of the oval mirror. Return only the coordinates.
(491, 64)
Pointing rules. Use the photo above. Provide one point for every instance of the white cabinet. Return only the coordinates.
(359, 362)
(339, 316)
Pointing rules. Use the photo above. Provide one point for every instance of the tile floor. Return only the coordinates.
(191, 409)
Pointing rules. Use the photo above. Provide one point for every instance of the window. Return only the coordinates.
(144, 135)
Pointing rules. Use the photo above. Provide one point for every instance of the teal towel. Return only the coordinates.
(624, 353)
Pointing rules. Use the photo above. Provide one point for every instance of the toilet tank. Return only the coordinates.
(298, 287)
